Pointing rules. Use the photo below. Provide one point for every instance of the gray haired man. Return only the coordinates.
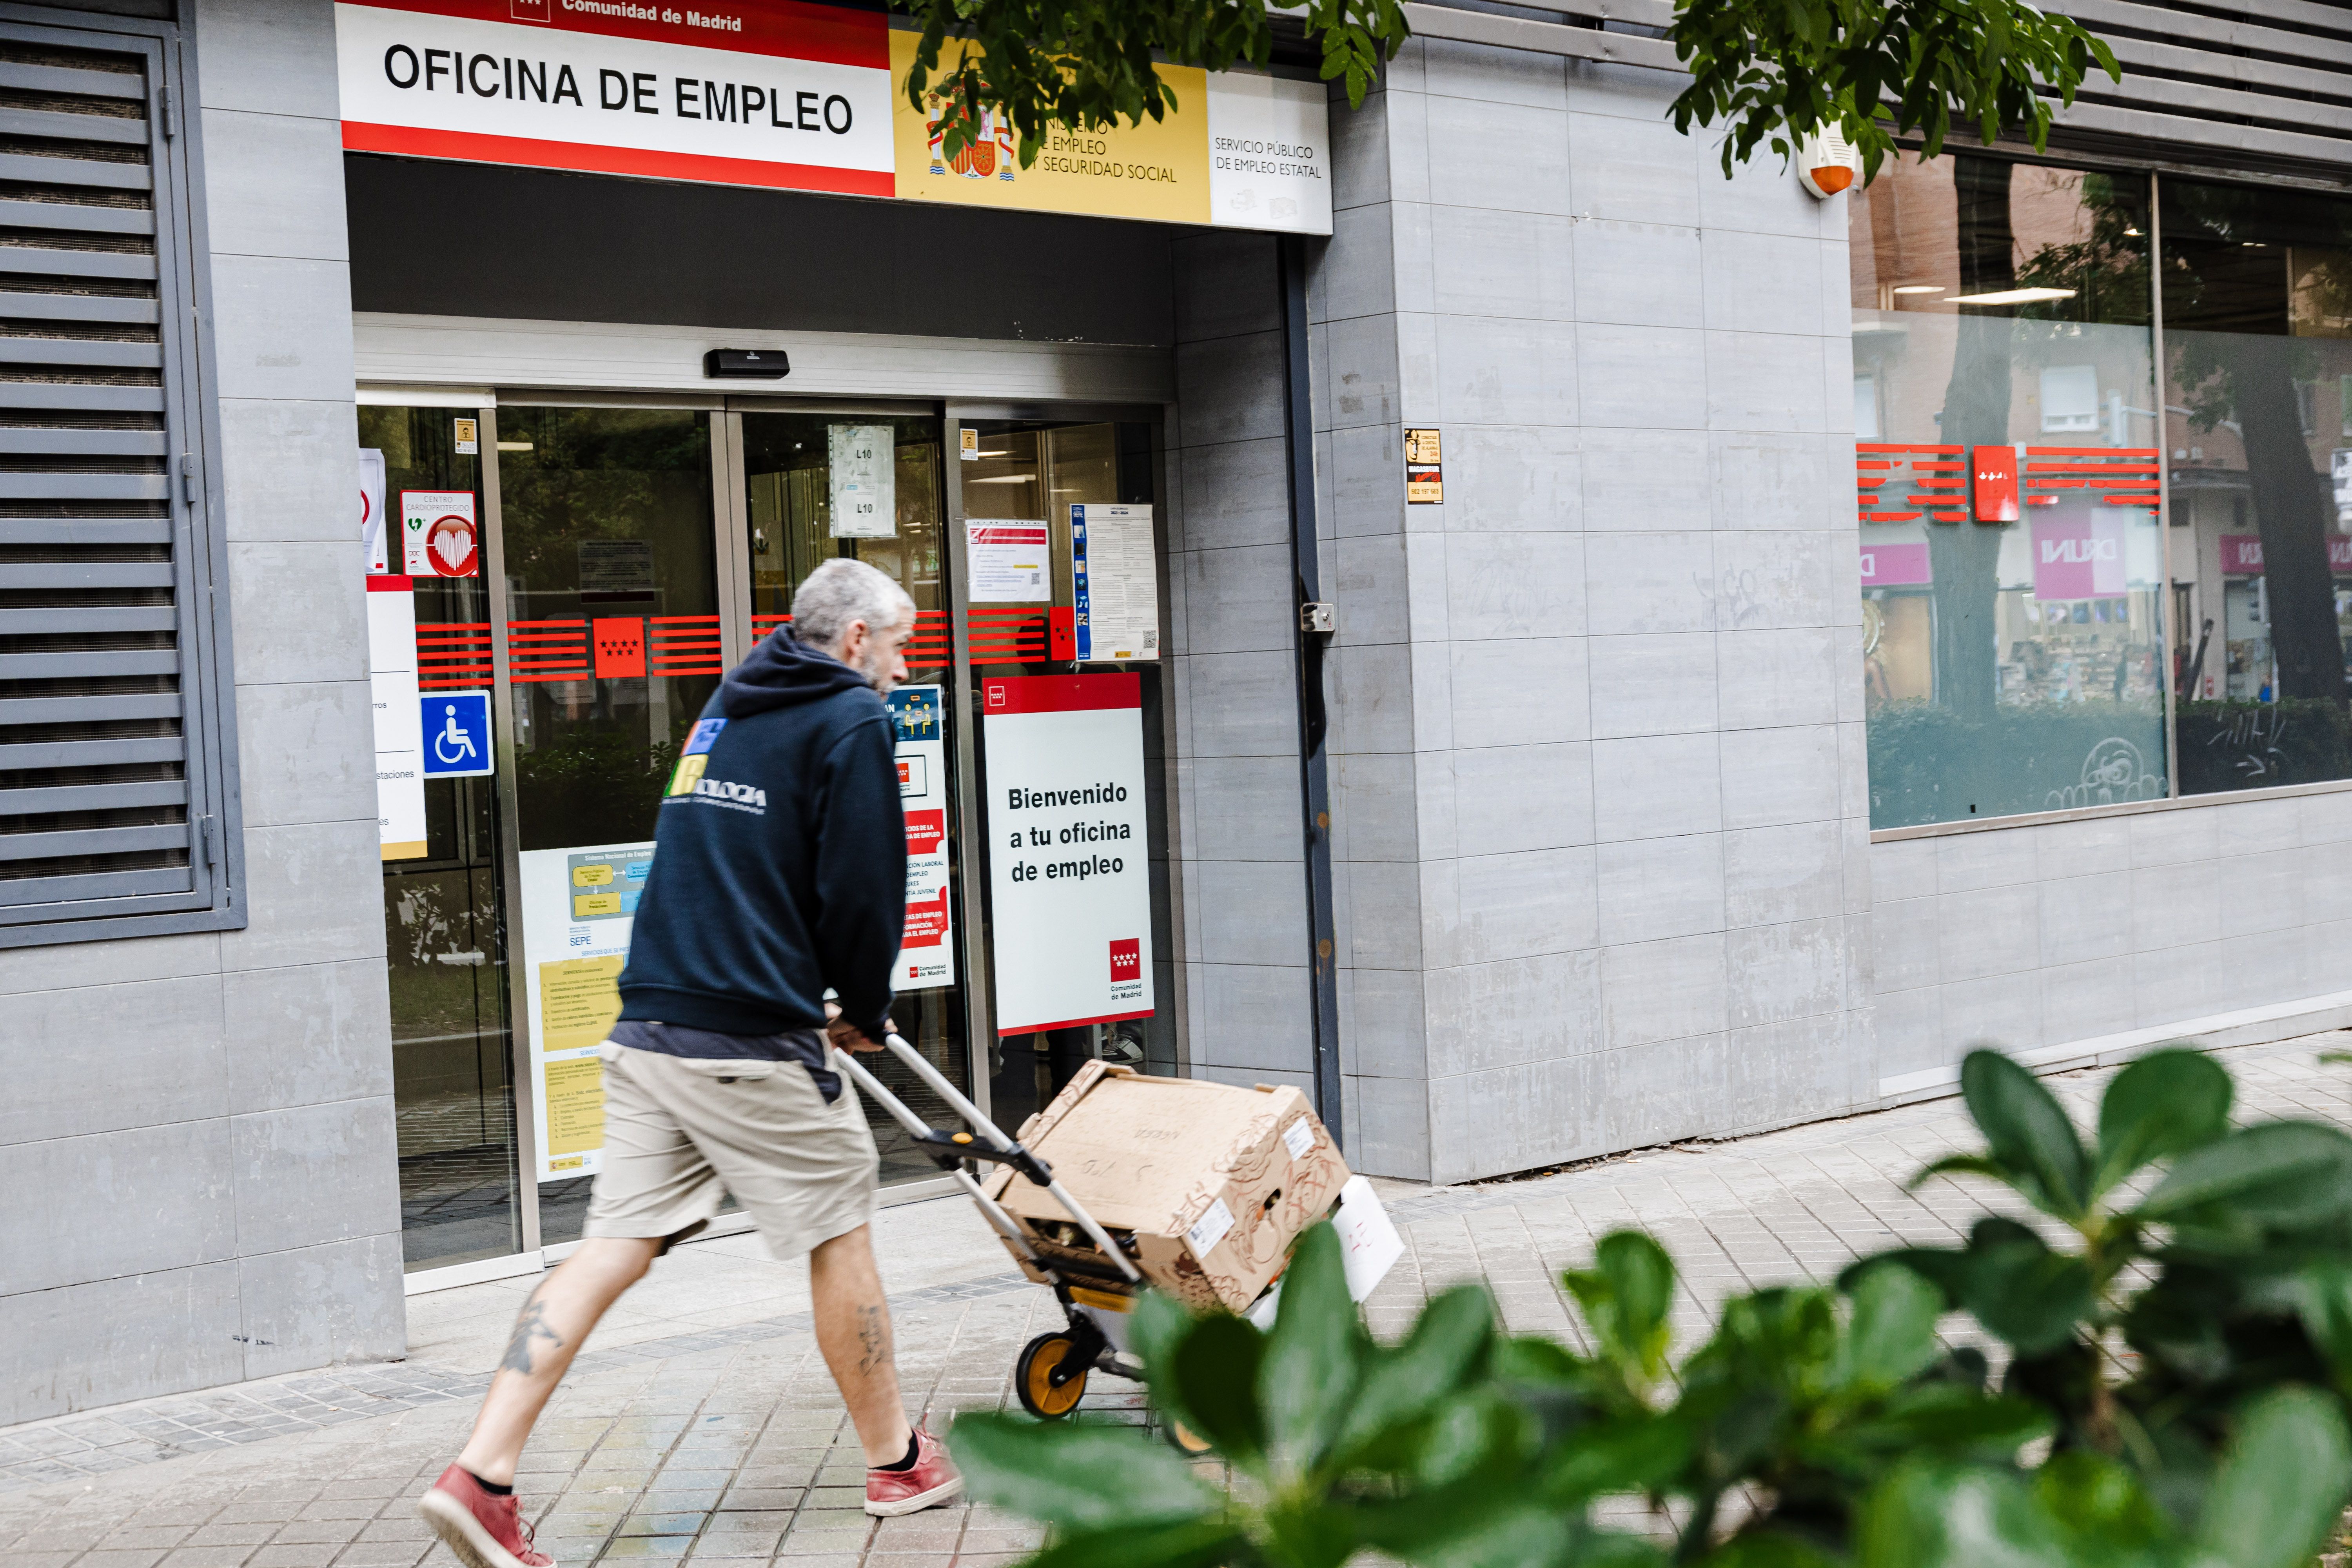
(780, 872)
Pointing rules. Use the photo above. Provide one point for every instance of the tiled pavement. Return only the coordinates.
(701, 1425)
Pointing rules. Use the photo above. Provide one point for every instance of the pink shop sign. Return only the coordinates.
(2241, 555)
(2078, 558)
(1893, 565)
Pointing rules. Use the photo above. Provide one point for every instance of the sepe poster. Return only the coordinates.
(926, 953)
(579, 906)
(1068, 857)
(1115, 582)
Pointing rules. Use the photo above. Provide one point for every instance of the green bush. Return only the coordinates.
(2172, 1392)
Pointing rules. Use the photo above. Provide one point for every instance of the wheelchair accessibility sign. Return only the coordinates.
(457, 733)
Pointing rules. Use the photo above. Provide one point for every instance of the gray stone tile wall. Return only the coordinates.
(2040, 935)
(1597, 759)
(198, 1141)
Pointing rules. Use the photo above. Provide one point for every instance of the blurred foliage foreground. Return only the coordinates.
(2173, 1338)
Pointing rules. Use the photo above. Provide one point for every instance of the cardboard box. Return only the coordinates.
(1209, 1183)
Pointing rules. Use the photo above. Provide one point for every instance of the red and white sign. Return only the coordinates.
(2241, 555)
(437, 534)
(1068, 857)
(925, 957)
(776, 93)
(1893, 565)
(1992, 474)
(2079, 558)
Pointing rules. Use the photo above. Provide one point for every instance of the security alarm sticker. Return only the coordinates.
(437, 534)
(927, 956)
(1069, 855)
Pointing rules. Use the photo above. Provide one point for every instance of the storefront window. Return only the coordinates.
(2258, 432)
(2007, 466)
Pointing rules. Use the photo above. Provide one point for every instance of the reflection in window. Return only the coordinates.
(2258, 343)
(2011, 562)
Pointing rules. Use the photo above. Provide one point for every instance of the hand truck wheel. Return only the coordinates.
(1187, 1440)
(1047, 1379)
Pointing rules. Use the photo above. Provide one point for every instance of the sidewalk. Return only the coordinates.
(699, 1424)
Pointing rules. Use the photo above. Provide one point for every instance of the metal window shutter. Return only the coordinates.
(108, 728)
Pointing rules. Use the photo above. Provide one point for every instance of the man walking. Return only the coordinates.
(780, 870)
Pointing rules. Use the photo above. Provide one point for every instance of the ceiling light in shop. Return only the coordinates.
(2013, 297)
(514, 447)
(2132, 232)
(1004, 480)
(1918, 288)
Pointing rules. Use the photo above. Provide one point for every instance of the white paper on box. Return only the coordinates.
(1369, 1248)
(1210, 1227)
(1298, 1138)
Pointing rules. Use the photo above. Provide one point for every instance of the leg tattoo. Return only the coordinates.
(531, 1324)
(873, 1338)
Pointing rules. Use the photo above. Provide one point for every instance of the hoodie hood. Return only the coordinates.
(781, 672)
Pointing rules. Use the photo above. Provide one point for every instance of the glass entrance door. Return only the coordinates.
(612, 646)
(444, 896)
(818, 486)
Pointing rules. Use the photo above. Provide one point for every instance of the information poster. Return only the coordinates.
(615, 569)
(399, 726)
(862, 473)
(1008, 562)
(1068, 859)
(927, 958)
(579, 907)
(438, 535)
(1116, 583)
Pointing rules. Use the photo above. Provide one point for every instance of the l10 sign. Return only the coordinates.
(1068, 861)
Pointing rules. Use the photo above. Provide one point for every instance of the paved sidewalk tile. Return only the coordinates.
(695, 1430)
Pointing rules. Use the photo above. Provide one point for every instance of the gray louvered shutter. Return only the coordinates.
(112, 735)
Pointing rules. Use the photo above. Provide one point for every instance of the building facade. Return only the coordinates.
(1546, 647)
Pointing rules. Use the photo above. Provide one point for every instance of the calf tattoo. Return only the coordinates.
(529, 1324)
(873, 1339)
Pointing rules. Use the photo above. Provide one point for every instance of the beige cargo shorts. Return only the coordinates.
(682, 1131)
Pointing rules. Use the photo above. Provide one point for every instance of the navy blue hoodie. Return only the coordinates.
(780, 857)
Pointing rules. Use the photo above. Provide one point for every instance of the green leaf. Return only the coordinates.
(1945, 1516)
(2281, 1484)
(1631, 1453)
(1437, 1361)
(2283, 1174)
(2164, 1104)
(1768, 1549)
(2022, 1290)
(1195, 1543)
(1892, 1334)
(2323, 1297)
(1313, 1354)
(1213, 1376)
(2100, 1503)
(1078, 1474)
(1528, 1536)
(1626, 1296)
(2027, 1132)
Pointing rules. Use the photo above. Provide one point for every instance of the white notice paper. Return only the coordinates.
(1115, 581)
(399, 724)
(371, 509)
(864, 480)
(1008, 562)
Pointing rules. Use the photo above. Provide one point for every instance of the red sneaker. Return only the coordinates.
(931, 1482)
(485, 1532)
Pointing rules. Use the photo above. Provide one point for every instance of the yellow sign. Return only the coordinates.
(579, 1000)
(575, 1105)
(1158, 170)
(586, 904)
(592, 875)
